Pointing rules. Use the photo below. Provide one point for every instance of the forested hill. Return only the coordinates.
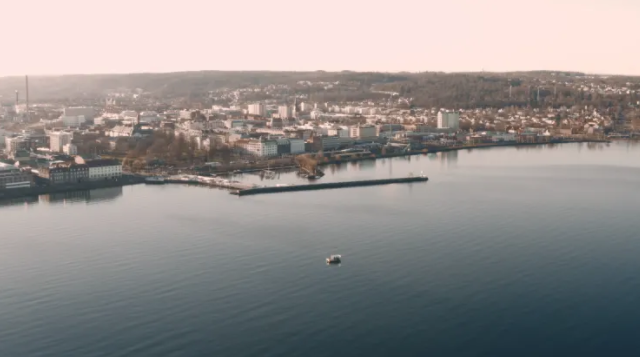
(428, 89)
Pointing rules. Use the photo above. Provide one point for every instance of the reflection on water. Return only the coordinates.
(366, 164)
(87, 196)
(448, 158)
(94, 196)
(18, 201)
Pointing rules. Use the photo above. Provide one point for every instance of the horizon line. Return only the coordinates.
(315, 71)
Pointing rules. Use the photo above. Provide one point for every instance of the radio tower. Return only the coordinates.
(26, 82)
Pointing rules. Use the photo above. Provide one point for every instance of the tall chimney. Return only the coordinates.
(26, 80)
(17, 99)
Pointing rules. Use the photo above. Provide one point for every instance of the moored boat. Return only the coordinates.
(155, 180)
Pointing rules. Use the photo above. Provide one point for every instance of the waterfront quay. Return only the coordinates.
(206, 181)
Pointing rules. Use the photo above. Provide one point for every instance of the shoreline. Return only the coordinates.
(284, 168)
(134, 179)
(453, 148)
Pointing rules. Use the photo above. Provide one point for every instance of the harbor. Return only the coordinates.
(245, 189)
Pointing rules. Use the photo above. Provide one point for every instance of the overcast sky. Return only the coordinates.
(118, 36)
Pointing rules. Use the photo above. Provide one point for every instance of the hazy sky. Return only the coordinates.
(116, 36)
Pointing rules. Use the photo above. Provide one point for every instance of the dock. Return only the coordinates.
(208, 181)
(325, 186)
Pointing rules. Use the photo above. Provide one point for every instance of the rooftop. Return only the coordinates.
(7, 167)
(103, 162)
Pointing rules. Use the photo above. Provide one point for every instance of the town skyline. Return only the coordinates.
(456, 36)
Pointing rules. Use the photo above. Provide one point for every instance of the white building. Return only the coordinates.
(306, 107)
(285, 111)
(363, 131)
(103, 169)
(297, 146)
(73, 120)
(257, 109)
(70, 149)
(259, 147)
(448, 120)
(349, 110)
(58, 139)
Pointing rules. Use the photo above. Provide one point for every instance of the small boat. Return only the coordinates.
(156, 180)
(334, 259)
(268, 174)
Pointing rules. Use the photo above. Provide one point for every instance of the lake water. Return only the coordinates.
(505, 252)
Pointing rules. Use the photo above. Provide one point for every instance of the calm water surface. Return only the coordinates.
(504, 252)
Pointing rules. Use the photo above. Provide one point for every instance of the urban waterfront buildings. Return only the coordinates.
(103, 169)
(258, 147)
(257, 109)
(12, 177)
(448, 120)
(65, 172)
(15, 143)
(363, 131)
(328, 143)
(285, 112)
(297, 146)
(75, 169)
(58, 139)
(70, 149)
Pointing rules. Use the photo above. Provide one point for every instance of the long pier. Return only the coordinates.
(330, 185)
